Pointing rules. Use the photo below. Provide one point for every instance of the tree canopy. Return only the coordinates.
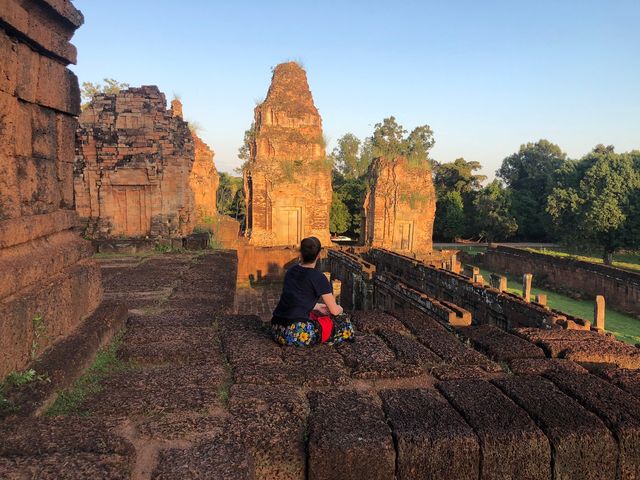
(390, 141)
(529, 174)
(596, 201)
(494, 220)
(110, 86)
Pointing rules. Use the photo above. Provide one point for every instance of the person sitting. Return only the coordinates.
(300, 319)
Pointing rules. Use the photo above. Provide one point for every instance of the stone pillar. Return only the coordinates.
(526, 286)
(477, 278)
(498, 282)
(599, 313)
(470, 271)
(541, 299)
(337, 289)
(453, 260)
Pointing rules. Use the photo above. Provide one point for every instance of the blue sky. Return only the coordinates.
(487, 76)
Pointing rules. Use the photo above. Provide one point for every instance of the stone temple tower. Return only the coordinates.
(400, 206)
(287, 181)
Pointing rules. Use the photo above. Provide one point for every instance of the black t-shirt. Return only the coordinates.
(301, 290)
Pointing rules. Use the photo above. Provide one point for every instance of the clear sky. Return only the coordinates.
(487, 76)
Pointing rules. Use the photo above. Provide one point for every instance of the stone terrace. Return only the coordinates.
(207, 394)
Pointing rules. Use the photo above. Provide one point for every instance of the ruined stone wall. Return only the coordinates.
(486, 304)
(356, 277)
(48, 281)
(136, 167)
(287, 181)
(204, 179)
(620, 287)
(399, 209)
(392, 294)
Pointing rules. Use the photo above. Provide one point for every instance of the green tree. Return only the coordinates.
(389, 140)
(596, 202)
(493, 219)
(418, 144)
(339, 216)
(450, 218)
(529, 174)
(458, 176)
(346, 156)
(244, 152)
(351, 192)
(89, 89)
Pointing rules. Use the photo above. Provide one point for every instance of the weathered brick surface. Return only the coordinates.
(207, 459)
(400, 206)
(451, 350)
(40, 269)
(582, 445)
(540, 366)
(432, 439)
(417, 321)
(348, 438)
(139, 171)
(409, 350)
(369, 357)
(375, 321)
(287, 182)
(511, 445)
(619, 410)
(625, 378)
(498, 344)
(63, 448)
(272, 423)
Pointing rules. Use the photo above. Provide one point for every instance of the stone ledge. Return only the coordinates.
(65, 361)
(32, 30)
(28, 263)
(20, 230)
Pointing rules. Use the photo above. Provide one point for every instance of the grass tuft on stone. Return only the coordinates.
(70, 401)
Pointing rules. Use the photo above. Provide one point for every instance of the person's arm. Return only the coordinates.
(332, 305)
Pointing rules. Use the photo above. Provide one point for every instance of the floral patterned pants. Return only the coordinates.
(304, 334)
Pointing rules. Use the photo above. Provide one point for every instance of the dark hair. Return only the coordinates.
(309, 249)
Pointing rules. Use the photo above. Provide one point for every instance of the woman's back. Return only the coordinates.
(302, 288)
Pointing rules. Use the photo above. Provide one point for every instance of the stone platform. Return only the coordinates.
(207, 394)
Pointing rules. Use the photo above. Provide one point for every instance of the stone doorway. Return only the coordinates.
(288, 225)
(404, 237)
(132, 217)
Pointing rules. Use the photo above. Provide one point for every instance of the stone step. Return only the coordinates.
(582, 446)
(511, 444)
(432, 439)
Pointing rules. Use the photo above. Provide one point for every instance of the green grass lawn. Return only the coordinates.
(624, 327)
(626, 260)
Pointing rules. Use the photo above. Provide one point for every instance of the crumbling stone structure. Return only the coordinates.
(287, 181)
(399, 209)
(204, 179)
(48, 281)
(620, 287)
(139, 171)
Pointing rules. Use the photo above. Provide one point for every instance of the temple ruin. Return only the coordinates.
(287, 181)
(204, 179)
(48, 281)
(139, 169)
(176, 374)
(399, 208)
